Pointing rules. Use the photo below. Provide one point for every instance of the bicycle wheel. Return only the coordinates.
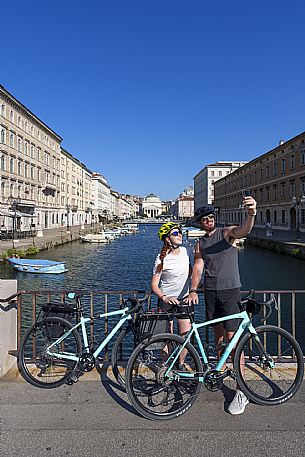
(154, 393)
(120, 354)
(39, 368)
(274, 365)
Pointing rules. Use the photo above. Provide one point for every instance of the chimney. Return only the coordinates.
(281, 142)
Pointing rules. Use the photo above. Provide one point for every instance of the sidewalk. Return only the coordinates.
(95, 418)
(279, 235)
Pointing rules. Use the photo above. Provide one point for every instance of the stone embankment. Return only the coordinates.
(50, 239)
(292, 248)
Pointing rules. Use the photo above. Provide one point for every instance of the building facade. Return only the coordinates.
(277, 182)
(151, 206)
(30, 167)
(204, 180)
(101, 200)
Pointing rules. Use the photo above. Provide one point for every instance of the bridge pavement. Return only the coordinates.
(94, 418)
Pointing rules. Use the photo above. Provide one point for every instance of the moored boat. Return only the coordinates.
(94, 238)
(37, 265)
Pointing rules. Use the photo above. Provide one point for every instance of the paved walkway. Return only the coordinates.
(96, 419)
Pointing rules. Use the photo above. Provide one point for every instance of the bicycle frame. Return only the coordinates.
(244, 325)
(82, 323)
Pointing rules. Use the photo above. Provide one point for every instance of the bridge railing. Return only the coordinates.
(289, 313)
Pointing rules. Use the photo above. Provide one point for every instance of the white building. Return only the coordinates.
(101, 200)
(151, 206)
(205, 178)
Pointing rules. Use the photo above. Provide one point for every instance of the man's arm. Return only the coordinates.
(243, 230)
(196, 276)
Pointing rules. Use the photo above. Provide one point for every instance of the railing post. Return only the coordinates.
(8, 326)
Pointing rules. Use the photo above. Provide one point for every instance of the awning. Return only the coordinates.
(4, 212)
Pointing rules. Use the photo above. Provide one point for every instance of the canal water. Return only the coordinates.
(127, 263)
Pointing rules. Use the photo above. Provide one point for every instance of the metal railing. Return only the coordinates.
(290, 312)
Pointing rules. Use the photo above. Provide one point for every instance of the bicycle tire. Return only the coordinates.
(120, 354)
(260, 382)
(37, 367)
(152, 394)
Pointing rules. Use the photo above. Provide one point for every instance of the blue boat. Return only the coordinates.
(37, 266)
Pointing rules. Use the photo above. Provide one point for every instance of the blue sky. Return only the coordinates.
(150, 91)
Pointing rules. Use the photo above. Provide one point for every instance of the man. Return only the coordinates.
(217, 257)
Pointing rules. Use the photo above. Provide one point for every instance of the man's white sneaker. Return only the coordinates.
(238, 404)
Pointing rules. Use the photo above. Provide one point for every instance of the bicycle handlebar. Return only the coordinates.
(251, 305)
(136, 302)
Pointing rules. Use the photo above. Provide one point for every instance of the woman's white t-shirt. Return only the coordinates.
(175, 272)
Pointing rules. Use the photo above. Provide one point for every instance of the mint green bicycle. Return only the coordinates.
(165, 373)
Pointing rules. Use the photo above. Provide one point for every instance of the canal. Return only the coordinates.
(127, 263)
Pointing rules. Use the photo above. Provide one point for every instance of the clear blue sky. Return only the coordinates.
(150, 91)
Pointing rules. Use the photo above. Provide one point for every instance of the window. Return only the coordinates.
(11, 165)
(32, 173)
(283, 166)
(12, 116)
(268, 193)
(275, 192)
(26, 170)
(3, 163)
(26, 148)
(267, 171)
(274, 168)
(303, 157)
(32, 152)
(292, 189)
(11, 140)
(19, 168)
(3, 136)
(219, 173)
(283, 190)
(275, 216)
(292, 161)
(303, 186)
(283, 216)
(3, 109)
(19, 145)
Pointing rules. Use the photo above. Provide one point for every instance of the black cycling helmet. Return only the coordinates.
(203, 211)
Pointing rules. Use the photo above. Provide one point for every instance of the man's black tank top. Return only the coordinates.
(220, 262)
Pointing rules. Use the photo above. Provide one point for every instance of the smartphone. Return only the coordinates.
(247, 193)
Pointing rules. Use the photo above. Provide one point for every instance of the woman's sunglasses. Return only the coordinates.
(176, 233)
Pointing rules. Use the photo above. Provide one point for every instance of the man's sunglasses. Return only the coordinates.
(209, 217)
(176, 233)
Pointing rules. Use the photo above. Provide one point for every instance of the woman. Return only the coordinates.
(170, 279)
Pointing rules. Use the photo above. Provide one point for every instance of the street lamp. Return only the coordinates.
(14, 201)
(68, 224)
(296, 202)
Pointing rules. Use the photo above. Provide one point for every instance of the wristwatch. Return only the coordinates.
(193, 290)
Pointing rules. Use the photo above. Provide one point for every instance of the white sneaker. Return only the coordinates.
(238, 404)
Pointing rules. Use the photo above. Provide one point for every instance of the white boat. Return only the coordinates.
(194, 233)
(37, 266)
(94, 238)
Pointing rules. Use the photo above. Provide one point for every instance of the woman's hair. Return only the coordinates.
(166, 249)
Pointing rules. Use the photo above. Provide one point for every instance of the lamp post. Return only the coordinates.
(68, 223)
(14, 201)
(296, 202)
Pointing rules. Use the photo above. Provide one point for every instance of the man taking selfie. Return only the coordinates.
(217, 257)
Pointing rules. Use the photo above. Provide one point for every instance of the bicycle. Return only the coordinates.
(165, 373)
(53, 352)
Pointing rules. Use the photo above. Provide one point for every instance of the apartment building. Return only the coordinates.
(30, 167)
(276, 180)
(204, 180)
(101, 198)
(76, 207)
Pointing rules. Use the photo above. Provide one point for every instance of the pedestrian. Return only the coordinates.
(171, 273)
(217, 258)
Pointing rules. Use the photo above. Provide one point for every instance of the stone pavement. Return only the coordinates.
(95, 418)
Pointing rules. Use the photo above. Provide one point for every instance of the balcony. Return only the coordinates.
(74, 208)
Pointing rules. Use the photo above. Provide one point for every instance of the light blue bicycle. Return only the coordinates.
(55, 352)
(164, 374)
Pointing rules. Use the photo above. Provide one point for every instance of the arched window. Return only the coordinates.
(11, 140)
(3, 164)
(11, 165)
(26, 170)
(19, 168)
(26, 148)
(12, 116)
(3, 136)
(19, 145)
